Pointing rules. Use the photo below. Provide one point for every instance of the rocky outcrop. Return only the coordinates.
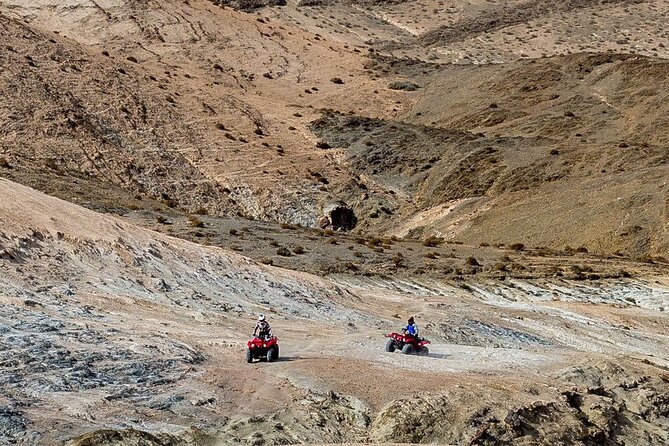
(338, 216)
(610, 405)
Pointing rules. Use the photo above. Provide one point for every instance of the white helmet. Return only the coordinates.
(261, 317)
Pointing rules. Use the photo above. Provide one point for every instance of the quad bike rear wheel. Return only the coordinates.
(424, 351)
(249, 355)
(390, 346)
(408, 349)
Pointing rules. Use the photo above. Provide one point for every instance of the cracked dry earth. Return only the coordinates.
(115, 335)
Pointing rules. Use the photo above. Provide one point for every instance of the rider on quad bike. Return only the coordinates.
(411, 329)
(263, 345)
(408, 342)
(263, 329)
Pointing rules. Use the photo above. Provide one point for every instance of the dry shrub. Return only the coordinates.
(433, 241)
(471, 261)
(195, 222)
(499, 266)
(351, 266)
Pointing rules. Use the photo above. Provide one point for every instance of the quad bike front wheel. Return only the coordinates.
(408, 349)
(390, 346)
(424, 351)
(272, 354)
(249, 355)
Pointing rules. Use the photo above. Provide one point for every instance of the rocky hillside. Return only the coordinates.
(171, 169)
(551, 152)
(159, 106)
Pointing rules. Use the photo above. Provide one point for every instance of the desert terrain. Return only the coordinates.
(169, 170)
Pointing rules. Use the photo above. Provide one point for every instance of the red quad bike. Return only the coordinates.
(262, 348)
(408, 344)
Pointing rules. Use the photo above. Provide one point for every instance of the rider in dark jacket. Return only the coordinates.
(263, 329)
(411, 329)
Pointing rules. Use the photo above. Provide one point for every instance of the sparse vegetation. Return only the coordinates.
(51, 163)
(350, 266)
(403, 86)
(433, 241)
(500, 266)
(195, 222)
(471, 261)
(170, 203)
